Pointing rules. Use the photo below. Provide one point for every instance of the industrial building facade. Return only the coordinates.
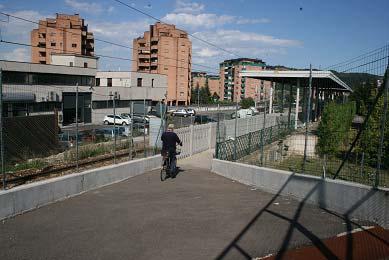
(63, 34)
(36, 89)
(168, 51)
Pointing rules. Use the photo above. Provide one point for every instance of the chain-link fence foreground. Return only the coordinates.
(340, 135)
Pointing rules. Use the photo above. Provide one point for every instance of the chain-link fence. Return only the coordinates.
(341, 134)
(53, 124)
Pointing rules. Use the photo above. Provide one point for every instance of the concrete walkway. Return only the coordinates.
(194, 216)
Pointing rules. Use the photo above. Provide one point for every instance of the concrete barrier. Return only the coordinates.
(352, 200)
(31, 196)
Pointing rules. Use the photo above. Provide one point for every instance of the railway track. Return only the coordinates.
(30, 175)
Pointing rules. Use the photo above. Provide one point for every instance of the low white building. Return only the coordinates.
(74, 60)
(30, 88)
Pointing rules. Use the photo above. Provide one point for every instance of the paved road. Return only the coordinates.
(195, 216)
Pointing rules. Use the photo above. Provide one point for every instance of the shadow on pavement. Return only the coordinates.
(296, 224)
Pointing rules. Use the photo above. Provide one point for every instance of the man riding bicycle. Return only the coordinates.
(169, 142)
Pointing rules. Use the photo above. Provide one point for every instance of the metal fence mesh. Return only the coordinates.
(340, 135)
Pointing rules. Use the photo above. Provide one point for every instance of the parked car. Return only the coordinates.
(141, 119)
(119, 120)
(111, 132)
(180, 112)
(191, 112)
(203, 119)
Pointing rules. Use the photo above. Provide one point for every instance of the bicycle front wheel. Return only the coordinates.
(163, 174)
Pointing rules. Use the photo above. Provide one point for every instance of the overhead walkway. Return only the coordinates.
(197, 215)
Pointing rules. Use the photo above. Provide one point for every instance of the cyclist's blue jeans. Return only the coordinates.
(173, 165)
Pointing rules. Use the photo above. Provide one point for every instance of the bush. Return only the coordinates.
(247, 103)
(334, 127)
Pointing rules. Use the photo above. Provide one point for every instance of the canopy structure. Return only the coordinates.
(325, 86)
(320, 79)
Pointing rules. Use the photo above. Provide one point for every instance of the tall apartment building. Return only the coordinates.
(234, 87)
(63, 34)
(168, 51)
(202, 79)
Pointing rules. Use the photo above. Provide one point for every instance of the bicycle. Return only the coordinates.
(169, 170)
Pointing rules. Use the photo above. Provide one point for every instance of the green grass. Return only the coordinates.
(36, 164)
(314, 166)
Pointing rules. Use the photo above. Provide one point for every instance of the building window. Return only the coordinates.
(85, 64)
(97, 82)
(181, 94)
(139, 82)
(152, 83)
(109, 82)
(53, 44)
(71, 64)
(74, 45)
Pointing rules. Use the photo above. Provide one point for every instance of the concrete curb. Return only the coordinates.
(34, 195)
(347, 198)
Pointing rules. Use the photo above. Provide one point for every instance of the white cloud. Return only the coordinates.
(111, 9)
(18, 54)
(198, 20)
(243, 44)
(239, 38)
(207, 52)
(17, 30)
(208, 20)
(1, 6)
(242, 20)
(122, 33)
(92, 7)
(188, 7)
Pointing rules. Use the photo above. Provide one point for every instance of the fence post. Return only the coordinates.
(249, 145)
(1, 132)
(114, 130)
(144, 128)
(217, 136)
(262, 146)
(77, 127)
(307, 115)
(382, 130)
(191, 139)
(130, 141)
(297, 104)
(236, 125)
(210, 135)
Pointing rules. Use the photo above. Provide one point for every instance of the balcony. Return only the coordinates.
(154, 47)
(89, 36)
(154, 40)
(143, 56)
(144, 64)
(143, 52)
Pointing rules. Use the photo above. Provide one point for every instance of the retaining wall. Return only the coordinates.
(31, 196)
(350, 199)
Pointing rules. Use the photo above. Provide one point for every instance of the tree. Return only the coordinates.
(334, 127)
(205, 95)
(215, 97)
(194, 93)
(247, 102)
(370, 138)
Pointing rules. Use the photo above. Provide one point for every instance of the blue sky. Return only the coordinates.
(322, 33)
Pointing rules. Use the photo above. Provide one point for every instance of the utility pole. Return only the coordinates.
(77, 127)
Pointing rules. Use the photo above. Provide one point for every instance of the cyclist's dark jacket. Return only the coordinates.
(169, 141)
